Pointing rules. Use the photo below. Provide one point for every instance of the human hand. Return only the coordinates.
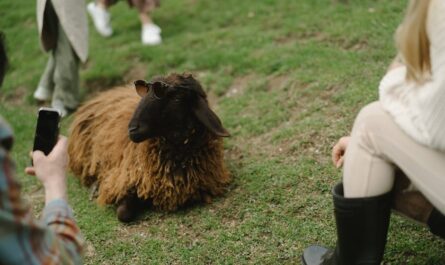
(339, 150)
(50, 170)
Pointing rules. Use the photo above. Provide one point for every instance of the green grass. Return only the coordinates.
(287, 79)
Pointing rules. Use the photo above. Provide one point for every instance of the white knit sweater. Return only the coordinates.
(419, 110)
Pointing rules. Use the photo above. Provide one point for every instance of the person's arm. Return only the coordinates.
(23, 240)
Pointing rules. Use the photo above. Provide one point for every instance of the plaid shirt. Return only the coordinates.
(55, 239)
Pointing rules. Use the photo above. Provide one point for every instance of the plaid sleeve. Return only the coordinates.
(23, 240)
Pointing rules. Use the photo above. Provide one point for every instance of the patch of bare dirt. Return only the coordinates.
(141, 231)
(234, 154)
(330, 91)
(240, 85)
(17, 96)
(263, 145)
(303, 141)
(321, 37)
(286, 39)
(345, 44)
(356, 45)
(136, 72)
(212, 98)
(97, 85)
(277, 82)
(127, 231)
(89, 250)
(301, 37)
(36, 199)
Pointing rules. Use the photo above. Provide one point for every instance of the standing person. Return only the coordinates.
(150, 34)
(63, 31)
(56, 238)
(404, 130)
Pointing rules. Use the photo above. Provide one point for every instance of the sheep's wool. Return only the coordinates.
(100, 150)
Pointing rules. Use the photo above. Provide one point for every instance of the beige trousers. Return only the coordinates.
(378, 147)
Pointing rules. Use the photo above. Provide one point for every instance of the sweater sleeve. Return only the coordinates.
(420, 109)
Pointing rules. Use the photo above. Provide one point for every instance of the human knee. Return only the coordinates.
(371, 118)
(369, 122)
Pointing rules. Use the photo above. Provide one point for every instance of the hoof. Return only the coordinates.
(129, 208)
(125, 214)
(207, 199)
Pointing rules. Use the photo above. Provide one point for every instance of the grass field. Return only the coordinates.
(287, 78)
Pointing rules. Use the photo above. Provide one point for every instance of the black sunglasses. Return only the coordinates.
(159, 88)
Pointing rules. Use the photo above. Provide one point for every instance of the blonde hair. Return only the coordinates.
(413, 43)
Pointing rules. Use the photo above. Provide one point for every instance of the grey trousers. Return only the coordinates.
(61, 75)
(377, 147)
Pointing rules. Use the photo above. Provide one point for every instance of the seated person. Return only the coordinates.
(404, 131)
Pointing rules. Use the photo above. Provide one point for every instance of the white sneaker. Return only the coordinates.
(58, 105)
(42, 93)
(101, 19)
(151, 34)
(156, 27)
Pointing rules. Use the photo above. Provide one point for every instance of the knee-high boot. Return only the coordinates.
(436, 223)
(362, 226)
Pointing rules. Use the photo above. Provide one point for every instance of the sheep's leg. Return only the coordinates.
(94, 190)
(206, 198)
(129, 207)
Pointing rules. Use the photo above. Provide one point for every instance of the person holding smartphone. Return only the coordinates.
(56, 238)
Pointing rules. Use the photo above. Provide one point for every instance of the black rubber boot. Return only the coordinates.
(362, 226)
(436, 223)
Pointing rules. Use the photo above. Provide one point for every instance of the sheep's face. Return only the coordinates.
(170, 107)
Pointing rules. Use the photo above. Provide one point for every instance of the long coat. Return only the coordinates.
(73, 18)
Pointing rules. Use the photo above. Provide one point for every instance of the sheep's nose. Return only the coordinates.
(133, 128)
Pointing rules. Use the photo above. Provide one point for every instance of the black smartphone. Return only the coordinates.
(47, 130)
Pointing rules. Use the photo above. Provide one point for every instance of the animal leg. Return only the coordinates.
(129, 207)
(206, 198)
(94, 190)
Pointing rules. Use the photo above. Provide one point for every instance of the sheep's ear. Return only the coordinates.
(141, 87)
(209, 119)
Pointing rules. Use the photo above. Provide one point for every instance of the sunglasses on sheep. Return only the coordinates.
(158, 88)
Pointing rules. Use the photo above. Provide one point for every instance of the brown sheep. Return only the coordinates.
(163, 147)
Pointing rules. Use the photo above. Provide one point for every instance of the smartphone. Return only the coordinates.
(47, 130)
